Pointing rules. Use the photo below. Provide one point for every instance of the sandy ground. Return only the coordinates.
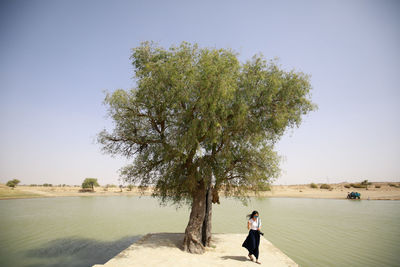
(339, 191)
(24, 191)
(165, 249)
(385, 192)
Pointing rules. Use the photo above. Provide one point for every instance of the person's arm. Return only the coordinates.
(248, 225)
(259, 226)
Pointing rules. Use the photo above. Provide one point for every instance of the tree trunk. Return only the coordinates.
(206, 231)
(193, 233)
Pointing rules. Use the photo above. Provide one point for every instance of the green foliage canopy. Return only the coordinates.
(90, 183)
(13, 183)
(198, 114)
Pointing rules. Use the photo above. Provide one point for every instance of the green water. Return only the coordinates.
(82, 231)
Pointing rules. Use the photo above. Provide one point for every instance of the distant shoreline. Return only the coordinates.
(337, 191)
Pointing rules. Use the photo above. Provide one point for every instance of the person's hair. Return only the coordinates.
(252, 214)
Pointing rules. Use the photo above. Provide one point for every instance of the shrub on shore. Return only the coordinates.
(82, 190)
(377, 186)
(347, 185)
(358, 185)
(325, 186)
(312, 185)
(13, 183)
(89, 183)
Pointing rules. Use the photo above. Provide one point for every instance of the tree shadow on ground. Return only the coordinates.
(77, 252)
(237, 258)
(171, 240)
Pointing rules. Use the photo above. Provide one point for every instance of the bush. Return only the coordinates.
(393, 185)
(13, 183)
(347, 186)
(312, 185)
(325, 186)
(377, 186)
(90, 183)
(358, 185)
(82, 190)
(47, 185)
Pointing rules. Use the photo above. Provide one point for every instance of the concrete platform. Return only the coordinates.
(165, 249)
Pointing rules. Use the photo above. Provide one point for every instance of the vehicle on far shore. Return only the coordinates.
(353, 195)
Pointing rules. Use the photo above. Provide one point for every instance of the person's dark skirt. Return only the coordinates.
(252, 242)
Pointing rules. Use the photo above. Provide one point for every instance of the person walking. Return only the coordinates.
(252, 241)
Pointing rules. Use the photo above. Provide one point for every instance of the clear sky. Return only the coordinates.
(57, 57)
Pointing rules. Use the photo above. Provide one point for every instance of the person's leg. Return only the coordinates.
(249, 244)
(253, 244)
(251, 257)
(257, 237)
(256, 253)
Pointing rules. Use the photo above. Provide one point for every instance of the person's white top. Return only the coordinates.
(254, 224)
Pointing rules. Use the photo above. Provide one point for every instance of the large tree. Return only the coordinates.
(200, 122)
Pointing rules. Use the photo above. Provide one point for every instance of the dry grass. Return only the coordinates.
(9, 193)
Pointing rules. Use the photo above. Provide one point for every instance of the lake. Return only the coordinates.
(82, 231)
